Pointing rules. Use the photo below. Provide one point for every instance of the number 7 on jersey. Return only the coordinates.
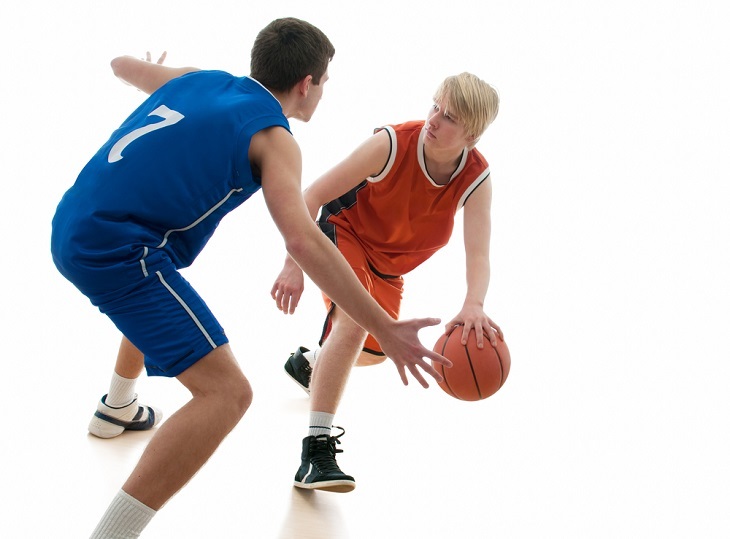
(169, 116)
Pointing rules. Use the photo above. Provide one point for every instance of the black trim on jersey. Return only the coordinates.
(382, 275)
(334, 207)
(349, 199)
(477, 187)
(326, 326)
(390, 151)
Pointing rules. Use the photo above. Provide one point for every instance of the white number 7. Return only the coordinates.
(170, 117)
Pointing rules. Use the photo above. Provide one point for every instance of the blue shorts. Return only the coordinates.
(158, 311)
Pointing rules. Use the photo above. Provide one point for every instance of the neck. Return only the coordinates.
(442, 159)
(441, 164)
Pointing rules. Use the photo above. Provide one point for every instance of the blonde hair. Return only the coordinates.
(474, 102)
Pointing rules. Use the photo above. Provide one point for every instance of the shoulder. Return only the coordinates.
(414, 126)
(476, 157)
(271, 141)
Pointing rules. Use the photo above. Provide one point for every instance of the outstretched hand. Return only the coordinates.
(404, 348)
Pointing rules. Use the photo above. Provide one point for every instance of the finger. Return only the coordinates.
(479, 332)
(491, 336)
(496, 328)
(162, 57)
(437, 358)
(465, 332)
(433, 373)
(499, 331)
(148, 56)
(425, 322)
(293, 303)
(418, 376)
(280, 300)
(450, 324)
(402, 373)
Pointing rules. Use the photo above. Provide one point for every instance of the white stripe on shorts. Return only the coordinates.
(184, 306)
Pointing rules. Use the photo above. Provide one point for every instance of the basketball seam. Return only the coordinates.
(501, 369)
(443, 370)
(473, 373)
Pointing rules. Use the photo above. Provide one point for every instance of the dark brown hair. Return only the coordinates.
(288, 50)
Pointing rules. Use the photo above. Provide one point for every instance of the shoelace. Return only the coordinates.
(322, 452)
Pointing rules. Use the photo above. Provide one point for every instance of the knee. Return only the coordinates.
(240, 396)
(365, 359)
(347, 328)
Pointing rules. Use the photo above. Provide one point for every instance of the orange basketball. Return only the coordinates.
(476, 374)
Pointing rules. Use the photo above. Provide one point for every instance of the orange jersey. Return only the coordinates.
(401, 217)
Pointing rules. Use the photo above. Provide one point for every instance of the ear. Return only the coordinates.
(303, 85)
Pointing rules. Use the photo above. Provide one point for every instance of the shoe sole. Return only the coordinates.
(103, 429)
(329, 486)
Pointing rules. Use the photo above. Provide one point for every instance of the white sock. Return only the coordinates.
(124, 519)
(311, 356)
(121, 391)
(320, 423)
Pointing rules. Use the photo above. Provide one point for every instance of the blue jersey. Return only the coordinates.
(167, 176)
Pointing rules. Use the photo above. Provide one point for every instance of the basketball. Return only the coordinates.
(476, 374)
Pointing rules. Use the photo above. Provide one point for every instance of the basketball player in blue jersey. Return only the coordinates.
(144, 207)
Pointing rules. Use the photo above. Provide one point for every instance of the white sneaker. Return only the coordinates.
(109, 422)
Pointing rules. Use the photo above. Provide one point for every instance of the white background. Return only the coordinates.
(610, 266)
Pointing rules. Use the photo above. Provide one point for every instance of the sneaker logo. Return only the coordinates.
(309, 472)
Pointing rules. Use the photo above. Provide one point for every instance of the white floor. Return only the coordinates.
(610, 259)
(613, 443)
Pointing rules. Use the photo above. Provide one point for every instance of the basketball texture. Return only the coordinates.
(476, 374)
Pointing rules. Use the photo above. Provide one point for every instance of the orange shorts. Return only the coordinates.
(387, 290)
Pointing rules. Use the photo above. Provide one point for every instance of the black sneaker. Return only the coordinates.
(319, 469)
(298, 367)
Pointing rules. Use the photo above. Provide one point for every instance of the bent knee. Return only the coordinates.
(241, 396)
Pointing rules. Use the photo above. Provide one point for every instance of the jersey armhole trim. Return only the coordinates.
(391, 157)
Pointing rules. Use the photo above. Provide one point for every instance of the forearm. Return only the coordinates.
(325, 265)
(144, 75)
(477, 279)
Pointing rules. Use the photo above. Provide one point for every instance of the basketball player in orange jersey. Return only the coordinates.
(388, 207)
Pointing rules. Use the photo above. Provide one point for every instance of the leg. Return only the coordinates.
(119, 410)
(130, 361)
(221, 395)
(319, 469)
(334, 363)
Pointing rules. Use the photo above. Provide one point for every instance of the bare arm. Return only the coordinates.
(279, 159)
(368, 159)
(145, 75)
(477, 232)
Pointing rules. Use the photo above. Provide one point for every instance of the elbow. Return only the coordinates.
(305, 245)
(123, 67)
(297, 247)
(117, 65)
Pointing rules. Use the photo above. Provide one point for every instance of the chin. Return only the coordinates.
(302, 117)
